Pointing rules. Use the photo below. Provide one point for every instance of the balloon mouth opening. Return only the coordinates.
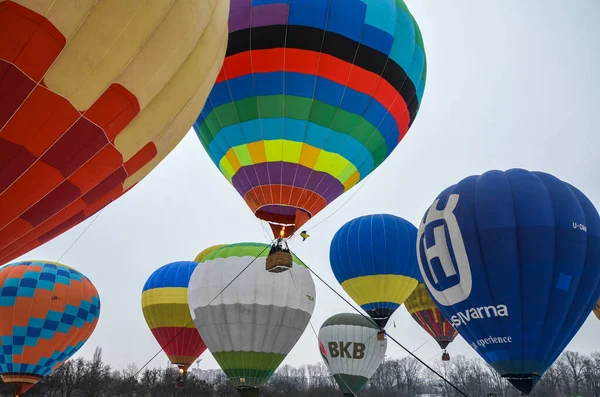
(523, 382)
(283, 219)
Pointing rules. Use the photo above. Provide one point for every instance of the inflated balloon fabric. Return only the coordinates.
(351, 350)
(166, 310)
(373, 257)
(254, 323)
(312, 97)
(93, 95)
(47, 312)
(424, 311)
(512, 259)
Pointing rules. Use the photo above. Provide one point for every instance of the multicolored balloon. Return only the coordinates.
(166, 310)
(251, 322)
(351, 350)
(373, 258)
(512, 259)
(423, 310)
(94, 96)
(312, 97)
(47, 312)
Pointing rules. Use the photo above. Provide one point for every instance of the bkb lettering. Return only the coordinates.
(343, 349)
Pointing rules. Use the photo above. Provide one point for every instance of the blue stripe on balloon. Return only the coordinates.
(303, 85)
(172, 275)
(380, 305)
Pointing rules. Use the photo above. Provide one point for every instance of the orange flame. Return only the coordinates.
(282, 232)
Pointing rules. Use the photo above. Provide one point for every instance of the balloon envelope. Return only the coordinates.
(47, 312)
(512, 259)
(166, 310)
(373, 257)
(94, 96)
(255, 322)
(350, 348)
(312, 97)
(424, 311)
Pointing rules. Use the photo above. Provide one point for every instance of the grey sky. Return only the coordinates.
(510, 83)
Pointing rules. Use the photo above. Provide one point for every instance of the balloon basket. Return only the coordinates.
(445, 356)
(280, 258)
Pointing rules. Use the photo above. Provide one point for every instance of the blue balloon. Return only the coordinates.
(373, 257)
(513, 260)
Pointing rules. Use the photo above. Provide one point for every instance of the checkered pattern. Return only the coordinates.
(22, 287)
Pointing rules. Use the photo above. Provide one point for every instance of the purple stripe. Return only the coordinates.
(243, 16)
(282, 173)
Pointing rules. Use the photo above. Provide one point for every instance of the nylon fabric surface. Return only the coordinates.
(47, 313)
(424, 311)
(512, 259)
(312, 97)
(256, 321)
(166, 311)
(94, 96)
(373, 257)
(350, 349)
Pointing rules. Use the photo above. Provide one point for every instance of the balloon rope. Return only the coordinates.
(219, 294)
(80, 235)
(343, 204)
(381, 329)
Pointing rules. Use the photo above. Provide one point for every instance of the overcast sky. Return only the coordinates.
(510, 83)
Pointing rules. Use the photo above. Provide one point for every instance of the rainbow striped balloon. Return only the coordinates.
(312, 97)
(47, 312)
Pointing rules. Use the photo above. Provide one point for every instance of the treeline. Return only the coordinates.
(574, 374)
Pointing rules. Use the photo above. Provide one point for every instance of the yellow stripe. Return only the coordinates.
(172, 315)
(419, 300)
(296, 152)
(161, 296)
(380, 288)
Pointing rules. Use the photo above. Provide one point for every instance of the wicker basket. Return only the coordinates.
(445, 357)
(279, 261)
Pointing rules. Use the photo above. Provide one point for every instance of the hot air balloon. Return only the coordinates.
(597, 309)
(47, 312)
(373, 258)
(512, 259)
(350, 350)
(94, 96)
(312, 97)
(423, 310)
(200, 257)
(257, 319)
(166, 310)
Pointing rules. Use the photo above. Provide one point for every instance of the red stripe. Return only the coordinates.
(323, 65)
(185, 341)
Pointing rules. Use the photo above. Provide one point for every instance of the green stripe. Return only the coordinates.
(350, 384)
(259, 250)
(349, 319)
(298, 108)
(254, 368)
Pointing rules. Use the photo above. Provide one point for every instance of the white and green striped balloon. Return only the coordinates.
(349, 346)
(257, 320)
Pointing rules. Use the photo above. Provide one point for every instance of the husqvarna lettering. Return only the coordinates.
(439, 248)
(478, 313)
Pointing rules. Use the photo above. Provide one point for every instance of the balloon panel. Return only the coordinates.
(512, 259)
(373, 257)
(255, 322)
(47, 312)
(166, 310)
(423, 310)
(312, 97)
(93, 98)
(350, 349)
